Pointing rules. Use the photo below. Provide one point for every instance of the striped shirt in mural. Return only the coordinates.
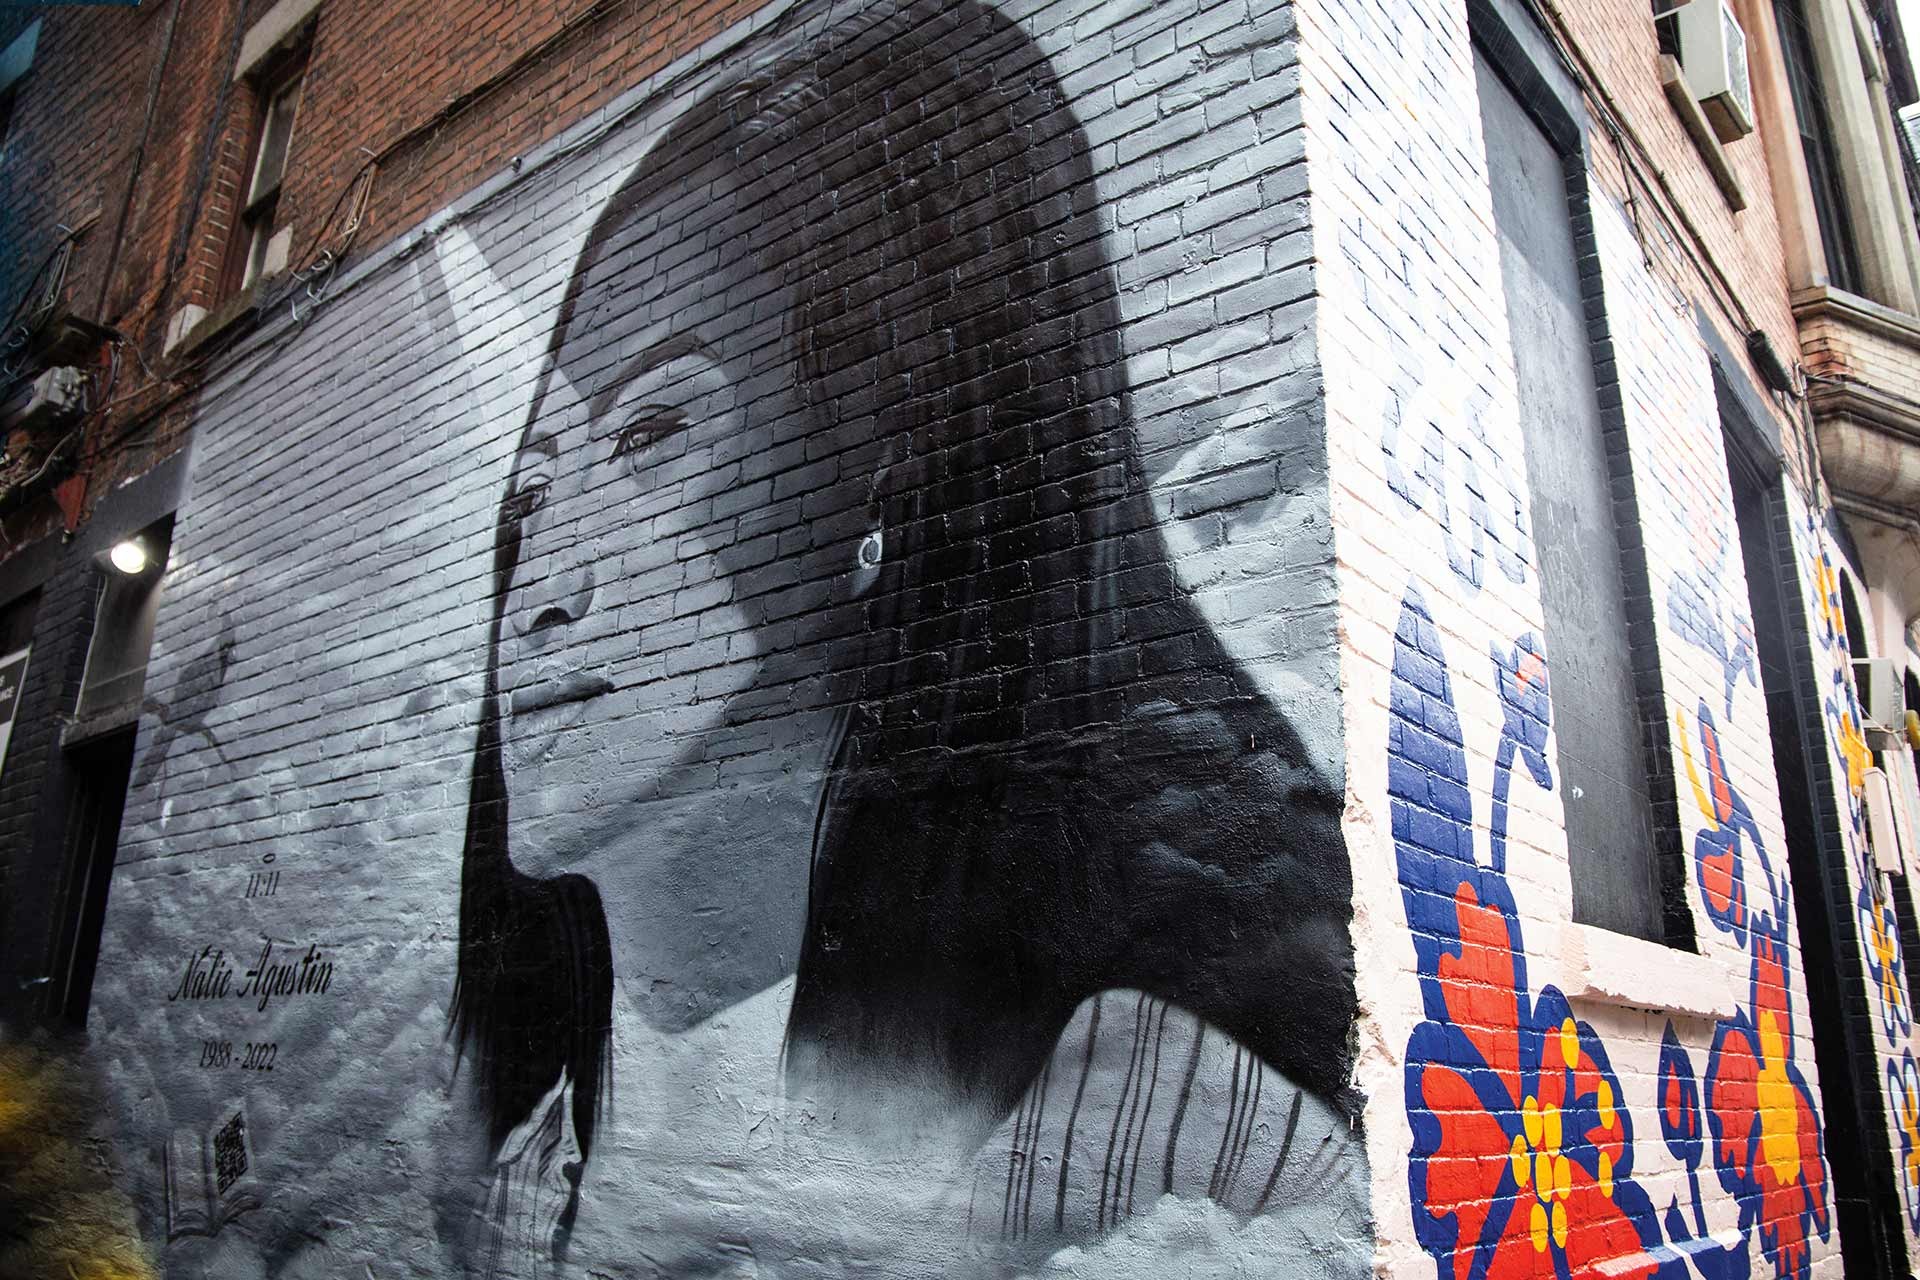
(1140, 1100)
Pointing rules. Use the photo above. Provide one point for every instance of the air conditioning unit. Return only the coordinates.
(1883, 702)
(53, 397)
(1713, 51)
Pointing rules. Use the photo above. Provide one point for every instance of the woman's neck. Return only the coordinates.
(706, 892)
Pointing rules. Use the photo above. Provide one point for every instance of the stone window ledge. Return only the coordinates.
(1824, 302)
(1700, 130)
(1598, 966)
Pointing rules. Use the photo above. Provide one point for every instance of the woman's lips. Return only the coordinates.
(558, 691)
(532, 734)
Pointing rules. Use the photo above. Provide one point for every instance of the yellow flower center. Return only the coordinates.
(1884, 951)
(1859, 757)
(1779, 1103)
(1538, 1162)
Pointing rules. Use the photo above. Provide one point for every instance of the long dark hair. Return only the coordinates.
(533, 993)
(1051, 779)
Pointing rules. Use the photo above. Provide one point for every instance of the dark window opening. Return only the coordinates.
(7, 97)
(1872, 1241)
(1816, 140)
(1602, 774)
(16, 622)
(1666, 28)
(96, 804)
(1850, 612)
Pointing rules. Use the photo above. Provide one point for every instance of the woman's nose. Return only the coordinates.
(558, 600)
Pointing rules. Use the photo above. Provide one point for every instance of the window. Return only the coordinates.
(16, 641)
(1816, 140)
(1602, 774)
(1850, 614)
(16, 59)
(252, 251)
(1825, 913)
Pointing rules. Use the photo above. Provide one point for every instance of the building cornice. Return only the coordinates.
(1822, 302)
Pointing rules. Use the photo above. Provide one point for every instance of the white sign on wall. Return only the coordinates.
(13, 675)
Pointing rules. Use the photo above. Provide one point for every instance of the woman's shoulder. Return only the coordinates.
(1142, 1100)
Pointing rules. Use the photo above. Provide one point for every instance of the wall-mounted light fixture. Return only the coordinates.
(132, 570)
(129, 556)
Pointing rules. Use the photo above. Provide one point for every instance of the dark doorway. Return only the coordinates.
(100, 771)
(1867, 1202)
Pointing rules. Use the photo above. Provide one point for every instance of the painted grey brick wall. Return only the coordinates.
(1129, 577)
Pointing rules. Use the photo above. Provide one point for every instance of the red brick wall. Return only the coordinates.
(382, 76)
(1734, 252)
(380, 79)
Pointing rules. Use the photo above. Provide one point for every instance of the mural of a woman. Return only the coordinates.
(836, 653)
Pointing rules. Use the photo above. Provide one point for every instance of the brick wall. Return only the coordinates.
(1303, 559)
(1107, 390)
(1452, 777)
(378, 78)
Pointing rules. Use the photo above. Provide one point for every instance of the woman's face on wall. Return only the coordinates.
(624, 640)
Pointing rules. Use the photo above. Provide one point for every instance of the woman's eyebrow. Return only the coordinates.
(665, 351)
(541, 443)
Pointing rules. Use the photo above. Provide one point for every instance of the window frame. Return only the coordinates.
(9, 98)
(255, 214)
(1807, 95)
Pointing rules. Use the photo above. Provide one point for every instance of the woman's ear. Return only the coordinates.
(868, 559)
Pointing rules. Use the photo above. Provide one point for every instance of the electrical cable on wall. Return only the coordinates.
(316, 275)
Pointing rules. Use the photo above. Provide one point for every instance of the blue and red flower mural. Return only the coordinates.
(1522, 1146)
(1684, 1126)
(1719, 860)
(1903, 1085)
(1766, 1129)
(1850, 758)
(1522, 1140)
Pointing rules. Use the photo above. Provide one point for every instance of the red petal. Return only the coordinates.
(1464, 1173)
(1515, 1258)
(1481, 983)
(1780, 1219)
(1734, 1100)
(1716, 881)
(1770, 983)
(1598, 1231)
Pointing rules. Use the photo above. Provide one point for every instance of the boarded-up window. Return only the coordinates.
(1602, 775)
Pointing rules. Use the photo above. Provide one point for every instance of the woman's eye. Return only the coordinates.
(642, 431)
(528, 496)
